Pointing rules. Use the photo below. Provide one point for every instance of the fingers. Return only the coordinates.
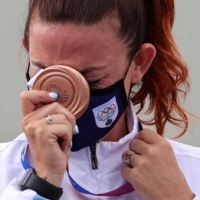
(133, 176)
(30, 100)
(139, 146)
(61, 132)
(59, 114)
(41, 132)
(49, 129)
(130, 171)
(50, 118)
(131, 158)
(54, 119)
(127, 156)
(148, 136)
(127, 174)
(59, 119)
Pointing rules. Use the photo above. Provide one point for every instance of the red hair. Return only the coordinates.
(167, 77)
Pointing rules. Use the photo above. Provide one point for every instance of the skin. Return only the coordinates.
(97, 53)
(155, 166)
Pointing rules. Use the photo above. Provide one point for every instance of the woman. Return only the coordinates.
(114, 44)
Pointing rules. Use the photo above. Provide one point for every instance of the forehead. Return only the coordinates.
(108, 25)
(69, 31)
(56, 41)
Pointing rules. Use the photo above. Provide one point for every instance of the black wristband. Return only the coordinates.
(31, 181)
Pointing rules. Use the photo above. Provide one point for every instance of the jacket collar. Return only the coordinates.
(109, 160)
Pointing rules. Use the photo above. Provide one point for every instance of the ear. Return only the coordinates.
(142, 61)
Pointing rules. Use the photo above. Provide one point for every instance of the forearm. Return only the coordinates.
(13, 192)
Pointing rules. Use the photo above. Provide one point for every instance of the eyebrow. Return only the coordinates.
(85, 71)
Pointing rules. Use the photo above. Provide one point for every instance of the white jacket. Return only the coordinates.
(106, 178)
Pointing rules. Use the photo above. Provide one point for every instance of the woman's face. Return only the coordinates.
(95, 51)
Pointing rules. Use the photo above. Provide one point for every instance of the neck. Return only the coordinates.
(118, 131)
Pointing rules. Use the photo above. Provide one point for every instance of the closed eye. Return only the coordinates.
(93, 82)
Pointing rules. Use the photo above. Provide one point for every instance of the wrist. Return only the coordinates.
(54, 179)
(45, 189)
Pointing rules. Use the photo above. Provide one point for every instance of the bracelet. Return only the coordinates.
(31, 181)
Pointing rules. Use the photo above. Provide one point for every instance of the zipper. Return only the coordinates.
(93, 156)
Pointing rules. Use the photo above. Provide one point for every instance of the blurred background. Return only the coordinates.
(13, 63)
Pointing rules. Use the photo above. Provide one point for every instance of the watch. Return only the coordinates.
(31, 181)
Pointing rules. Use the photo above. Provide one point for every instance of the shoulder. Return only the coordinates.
(188, 159)
(181, 149)
(20, 140)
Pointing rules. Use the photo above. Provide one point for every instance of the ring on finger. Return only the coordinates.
(49, 119)
(127, 158)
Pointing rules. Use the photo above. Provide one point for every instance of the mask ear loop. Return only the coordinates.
(27, 73)
(129, 93)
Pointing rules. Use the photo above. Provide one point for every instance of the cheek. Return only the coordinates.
(33, 70)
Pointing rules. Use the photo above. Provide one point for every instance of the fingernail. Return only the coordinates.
(76, 130)
(53, 95)
(70, 146)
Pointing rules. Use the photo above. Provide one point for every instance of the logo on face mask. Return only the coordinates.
(106, 113)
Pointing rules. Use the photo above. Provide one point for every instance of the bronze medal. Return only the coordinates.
(71, 86)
